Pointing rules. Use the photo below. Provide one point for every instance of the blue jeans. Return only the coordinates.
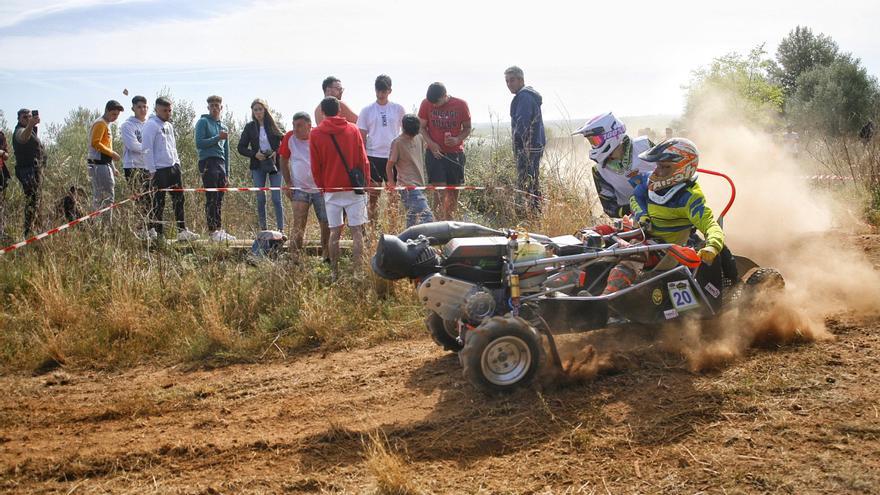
(259, 178)
(528, 163)
(417, 209)
(316, 199)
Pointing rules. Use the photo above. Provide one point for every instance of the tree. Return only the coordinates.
(800, 52)
(836, 99)
(740, 82)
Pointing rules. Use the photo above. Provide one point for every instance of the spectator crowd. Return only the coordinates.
(323, 161)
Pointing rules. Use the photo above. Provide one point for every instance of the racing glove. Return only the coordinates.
(707, 254)
(603, 229)
(645, 223)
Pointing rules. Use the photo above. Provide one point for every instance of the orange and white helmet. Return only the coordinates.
(683, 152)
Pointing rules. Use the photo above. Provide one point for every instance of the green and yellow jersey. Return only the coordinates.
(675, 210)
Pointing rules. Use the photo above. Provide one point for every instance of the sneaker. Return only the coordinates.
(146, 235)
(221, 236)
(187, 235)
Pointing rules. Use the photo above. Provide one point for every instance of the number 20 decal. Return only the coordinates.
(682, 298)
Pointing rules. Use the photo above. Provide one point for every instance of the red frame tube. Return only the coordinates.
(732, 189)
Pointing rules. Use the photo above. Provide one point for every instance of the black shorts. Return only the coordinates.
(377, 169)
(448, 169)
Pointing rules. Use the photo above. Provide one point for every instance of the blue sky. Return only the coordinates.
(584, 57)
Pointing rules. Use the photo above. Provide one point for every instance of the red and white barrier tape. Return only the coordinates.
(101, 211)
(67, 225)
(335, 189)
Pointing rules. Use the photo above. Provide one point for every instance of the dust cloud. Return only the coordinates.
(780, 219)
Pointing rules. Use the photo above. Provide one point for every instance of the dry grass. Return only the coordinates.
(95, 297)
(75, 302)
(392, 474)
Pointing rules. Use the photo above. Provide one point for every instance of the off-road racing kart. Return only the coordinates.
(495, 296)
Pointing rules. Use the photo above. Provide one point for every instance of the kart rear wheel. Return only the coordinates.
(502, 354)
(760, 280)
(765, 279)
(444, 333)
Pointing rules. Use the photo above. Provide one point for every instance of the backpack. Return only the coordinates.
(268, 243)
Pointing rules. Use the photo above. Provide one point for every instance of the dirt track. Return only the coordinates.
(799, 419)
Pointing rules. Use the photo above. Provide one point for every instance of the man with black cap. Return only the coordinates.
(101, 156)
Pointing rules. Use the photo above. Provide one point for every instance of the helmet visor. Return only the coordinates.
(596, 141)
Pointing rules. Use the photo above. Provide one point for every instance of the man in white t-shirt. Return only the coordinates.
(296, 168)
(379, 123)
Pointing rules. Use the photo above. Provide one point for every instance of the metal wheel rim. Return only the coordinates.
(506, 360)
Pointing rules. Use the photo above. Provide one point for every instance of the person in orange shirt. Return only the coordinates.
(101, 156)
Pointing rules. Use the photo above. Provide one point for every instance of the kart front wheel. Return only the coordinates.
(502, 354)
(444, 333)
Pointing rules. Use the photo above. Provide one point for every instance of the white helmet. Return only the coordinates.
(605, 133)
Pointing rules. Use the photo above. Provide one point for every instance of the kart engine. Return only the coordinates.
(454, 299)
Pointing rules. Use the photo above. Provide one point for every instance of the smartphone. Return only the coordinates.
(35, 113)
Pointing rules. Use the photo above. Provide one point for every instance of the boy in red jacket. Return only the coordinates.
(336, 146)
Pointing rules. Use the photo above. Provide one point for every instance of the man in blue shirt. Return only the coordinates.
(527, 125)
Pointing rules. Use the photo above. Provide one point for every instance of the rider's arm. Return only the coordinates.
(702, 218)
(638, 202)
(607, 196)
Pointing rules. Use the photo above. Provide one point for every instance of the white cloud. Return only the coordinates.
(585, 57)
(14, 12)
(456, 32)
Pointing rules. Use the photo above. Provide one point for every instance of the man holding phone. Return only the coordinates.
(212, 141)
(445, 125)
(30, 157)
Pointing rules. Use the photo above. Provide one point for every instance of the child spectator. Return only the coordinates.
(408, 156)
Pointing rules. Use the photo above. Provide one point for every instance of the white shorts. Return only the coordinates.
(354, 205)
